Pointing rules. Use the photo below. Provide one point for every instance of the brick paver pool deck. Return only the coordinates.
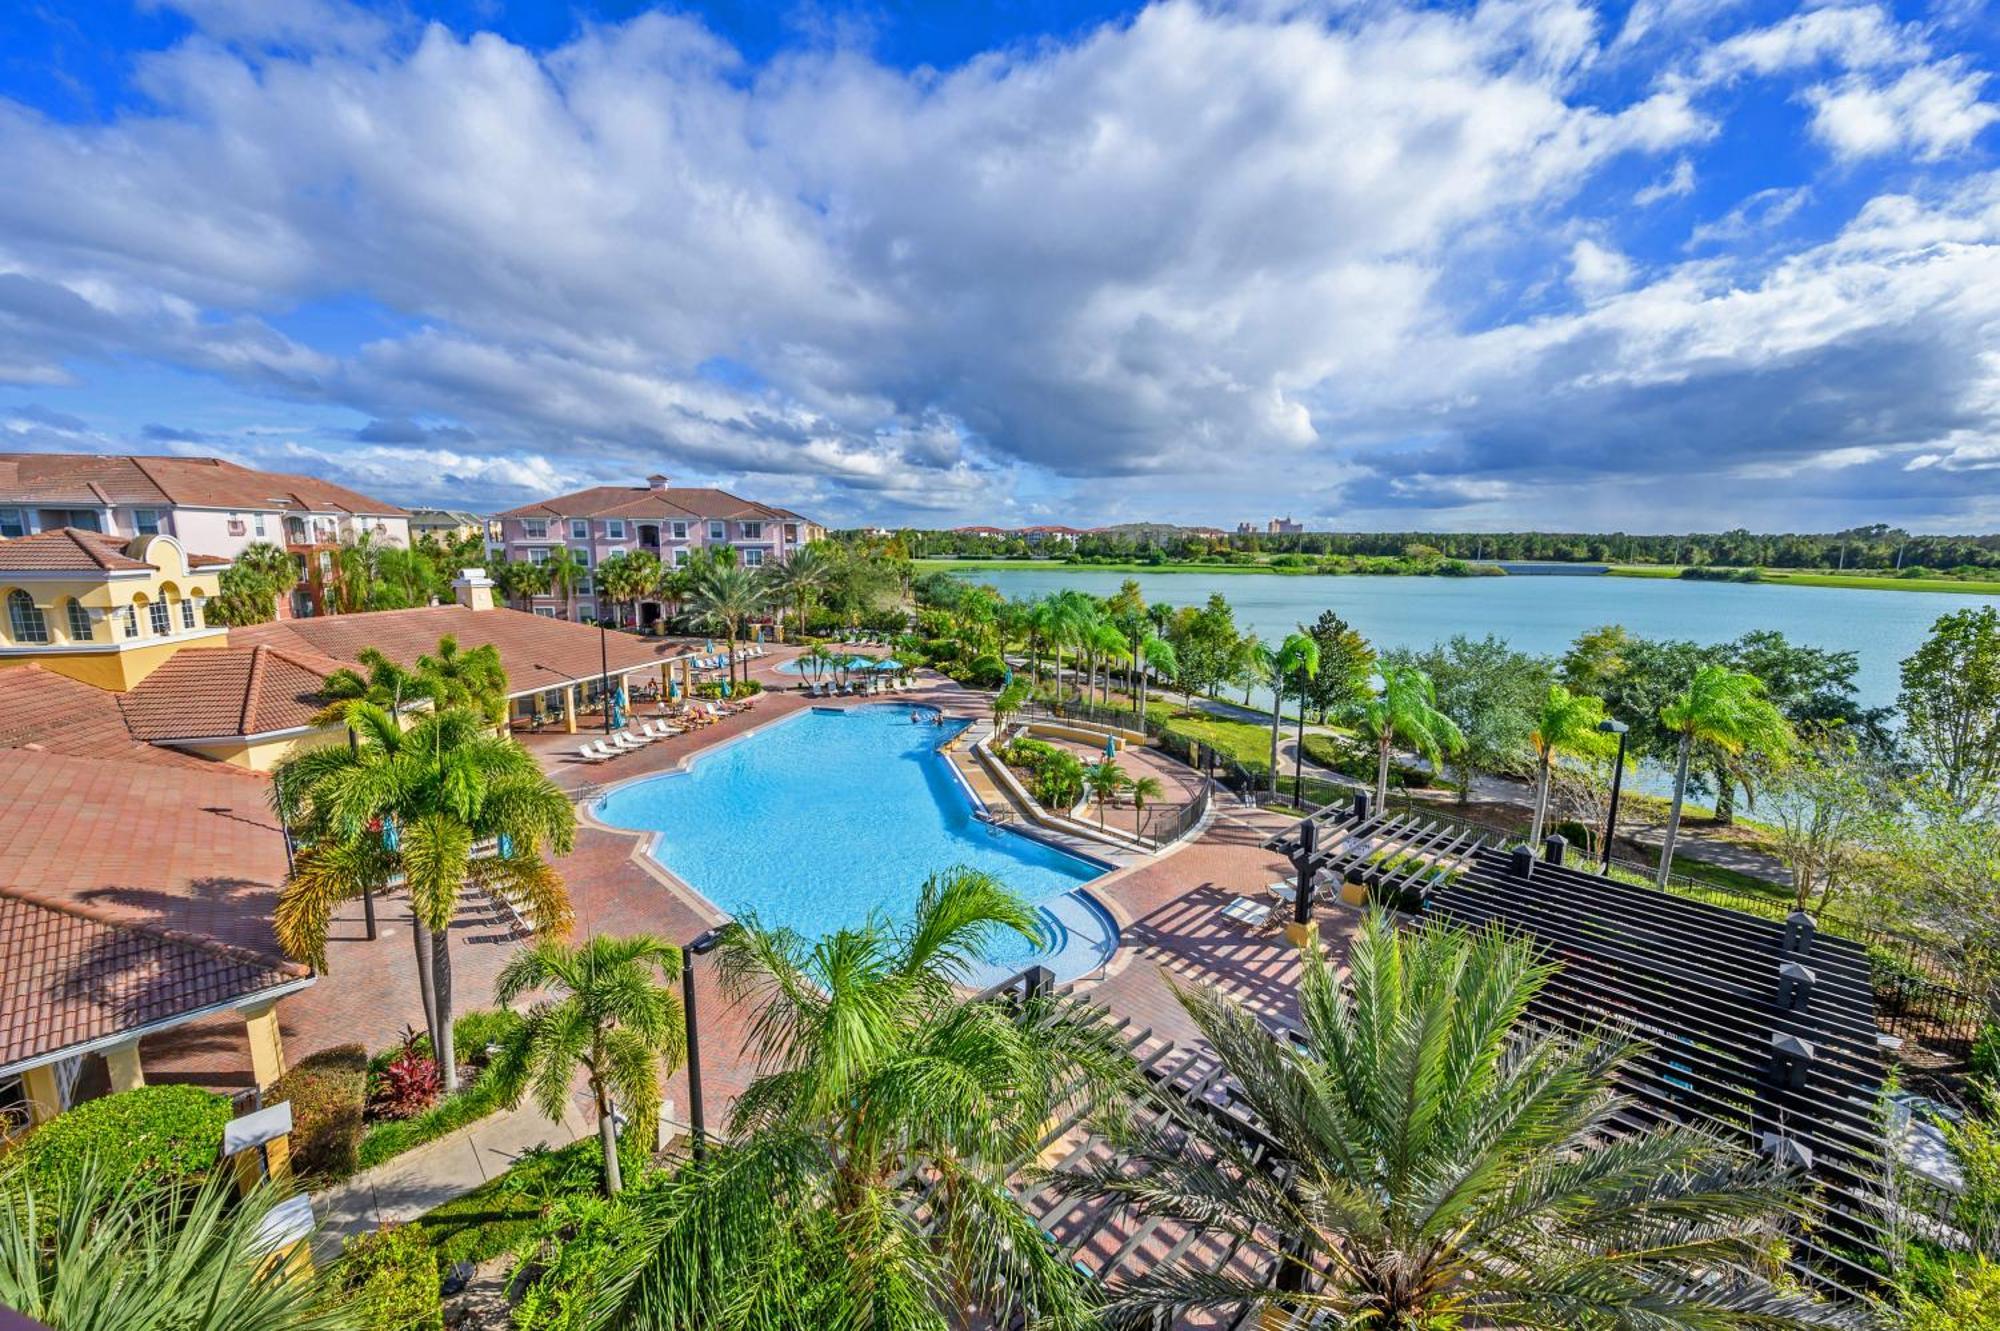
(1167, 907)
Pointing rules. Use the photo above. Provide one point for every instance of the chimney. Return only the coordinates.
(473, 589)
(656, 482)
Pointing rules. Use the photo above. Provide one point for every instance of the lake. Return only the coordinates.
(1543, 614)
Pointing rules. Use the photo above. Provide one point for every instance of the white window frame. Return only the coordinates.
(13, 522)
(160, 618)
(681, 557)
(579, 529)
(257, 523)
(143, 517)
(678, 530)
(753, 531)
(534, 529)
(188, 620)
(78, 618)
(546, 611)
(28, 627)
(753, 557)
(718, 531)
(539, 555)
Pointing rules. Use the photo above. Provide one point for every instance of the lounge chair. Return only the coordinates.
(625, 743)
(589, 754)
(1285, 890)
(1246, 910)
(603, 750)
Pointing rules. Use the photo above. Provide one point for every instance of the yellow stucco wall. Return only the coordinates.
(261, 755)
(109, 659)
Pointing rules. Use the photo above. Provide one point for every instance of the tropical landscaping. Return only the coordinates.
(1425, 1154)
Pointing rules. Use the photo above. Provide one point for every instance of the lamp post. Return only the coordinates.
(1618, 728)
(700, 947)
(604, 670)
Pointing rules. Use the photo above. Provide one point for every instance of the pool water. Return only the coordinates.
(827, 817)
(798, 665)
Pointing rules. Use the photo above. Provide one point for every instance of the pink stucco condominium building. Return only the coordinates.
(207, 504)
(660, 518)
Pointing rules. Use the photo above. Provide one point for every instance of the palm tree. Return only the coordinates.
(520, 581)
(466, 678)
(422, 804)
(1104, 780)
(1406, 710)
(624, 578)
(566, 573)
(877, 1070)
(611, 1017)
(252, 585)
(724, 594)
(1008, 701)
(796, 582)
(1566, 723)
(817, 660)
(1069, 610)
(1110, 644)
(102, 1252)
(1250, 664)
(1448, 1163)
(1154, 655)
(379, 683)
(1296, 660)
(1725, 708)
(1141, 789)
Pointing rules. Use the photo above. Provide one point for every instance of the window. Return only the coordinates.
(146, 521)
(539, 555)
(680, 531)
(83, 519)
(535, 529)
(681, 557)
(187, 614)
(579, 529)
(614, 529)
(582, 556)
(546, 611)
(236, 527)
(753, 557)
(753, 531)
(259, 521)
(718, 531)
(162, 617)
(199, 613)
(791, 531)
(129, 619)
(79, 621)
(13, 522)
(583, 585)
(26, 618)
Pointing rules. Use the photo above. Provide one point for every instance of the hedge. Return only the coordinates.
(393, 1273)
(328, 1091)
(158, 1136)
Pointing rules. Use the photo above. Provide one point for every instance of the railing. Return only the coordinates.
(1160, 824)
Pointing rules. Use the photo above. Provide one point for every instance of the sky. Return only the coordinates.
(1658, 266)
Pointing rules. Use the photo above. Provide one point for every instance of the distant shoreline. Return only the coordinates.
(1766, 577)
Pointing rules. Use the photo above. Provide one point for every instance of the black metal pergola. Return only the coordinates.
(1759, 1030)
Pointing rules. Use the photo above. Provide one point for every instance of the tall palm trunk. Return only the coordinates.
(1274, 740)
(1382, 742)
(607, 1132)
(1299, 748)
(420, 937)
(442, 1042)
(1541, 798)
(1674, 812)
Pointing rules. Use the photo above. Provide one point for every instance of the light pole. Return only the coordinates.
(700, 947)
(1618, 728)
(604, 670)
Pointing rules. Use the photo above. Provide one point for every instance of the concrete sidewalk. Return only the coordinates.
(406, 1187)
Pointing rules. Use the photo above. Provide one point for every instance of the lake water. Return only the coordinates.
(1544, 614)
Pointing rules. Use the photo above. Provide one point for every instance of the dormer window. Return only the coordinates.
(146, 521)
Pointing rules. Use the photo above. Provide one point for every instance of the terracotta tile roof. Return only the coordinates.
(44, 712)
(536, 652)
(70, 549)
(248, 690)
(97, 479)
(70, 975)
(190, 846)
(639, 501)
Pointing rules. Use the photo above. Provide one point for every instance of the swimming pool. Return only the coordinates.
(827, 816)
(798, 665)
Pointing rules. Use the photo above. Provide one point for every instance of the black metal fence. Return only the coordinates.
(1158, 823)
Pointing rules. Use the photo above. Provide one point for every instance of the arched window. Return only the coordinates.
(198, 611)
(130, 619)
(79, 621)
(187, 613)
(163, 618)
(25, 617)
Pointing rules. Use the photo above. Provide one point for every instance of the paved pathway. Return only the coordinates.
(418, 1181)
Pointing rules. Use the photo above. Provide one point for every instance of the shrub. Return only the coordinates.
(1986, 1052)
(712, 688)
(985, 672)
(574, 1247)
(328, 1092)
(1969, 1301)
(410, 1082)
(162, 1136)
(942, 651)
(393, 1273)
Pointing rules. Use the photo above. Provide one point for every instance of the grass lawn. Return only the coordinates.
(1863, 581)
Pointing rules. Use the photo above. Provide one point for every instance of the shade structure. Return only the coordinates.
(1762, 1031)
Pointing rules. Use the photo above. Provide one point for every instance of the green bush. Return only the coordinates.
(1986, 1052)
(328, 1092)
(984, 672)
(1968, 1300)
(579, 1240)
(1356, 761)
(476, 1099)
(742, 688)
(393, 1274)
(159, 1135)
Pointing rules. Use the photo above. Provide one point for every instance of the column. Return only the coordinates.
(122, 1061)
(569, 708)
(267, 1044)
(44, 1096)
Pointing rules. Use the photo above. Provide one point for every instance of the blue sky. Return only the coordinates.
(1520, 263)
